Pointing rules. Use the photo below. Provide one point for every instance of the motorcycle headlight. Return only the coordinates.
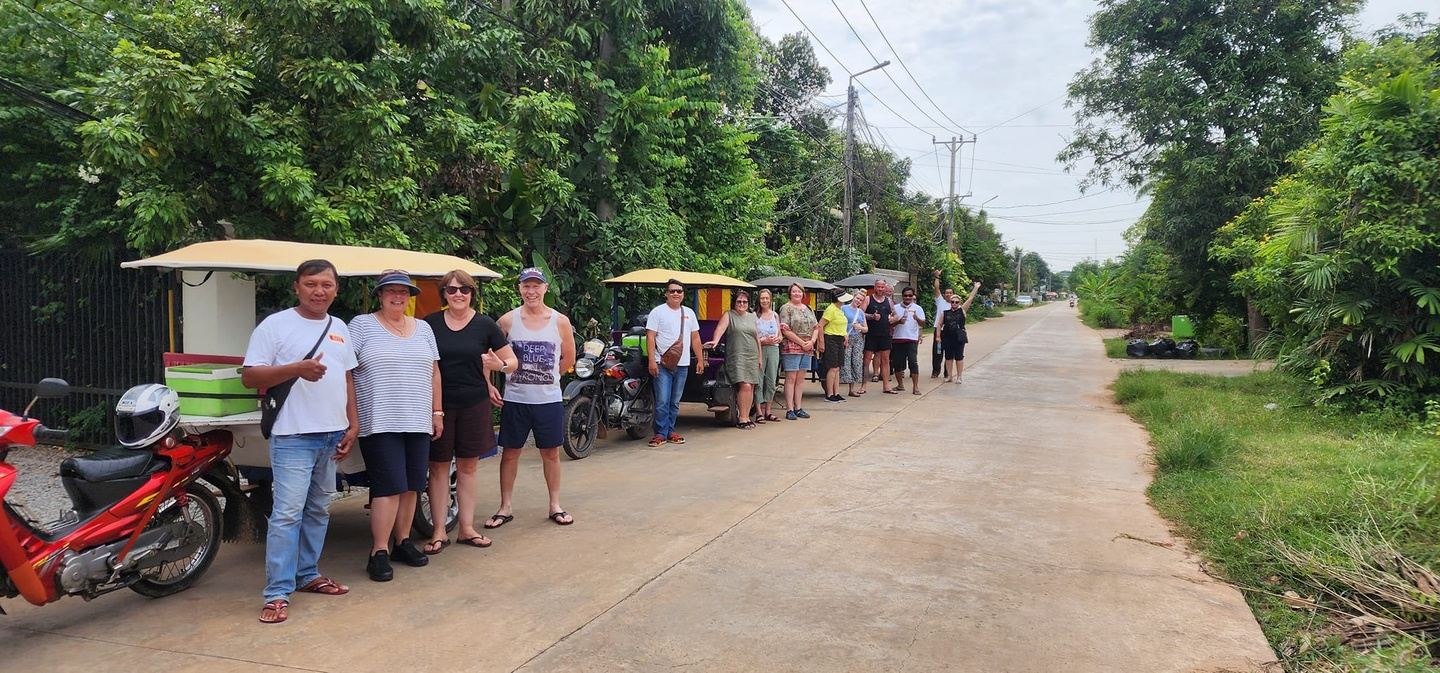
(584, 368)
(593, 348)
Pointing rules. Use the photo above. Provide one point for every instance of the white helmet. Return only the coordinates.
(146, 413)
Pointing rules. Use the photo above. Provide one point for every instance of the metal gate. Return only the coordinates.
(87, 321)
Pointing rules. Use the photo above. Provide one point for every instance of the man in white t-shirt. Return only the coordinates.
(905, 324)
(314, 429)
(668, 324)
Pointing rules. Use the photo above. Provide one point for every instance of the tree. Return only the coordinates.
(1202, 102)
(1342, 253)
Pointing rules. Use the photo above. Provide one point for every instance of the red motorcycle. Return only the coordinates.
(144, 517)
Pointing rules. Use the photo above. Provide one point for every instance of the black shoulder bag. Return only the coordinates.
(275, 395)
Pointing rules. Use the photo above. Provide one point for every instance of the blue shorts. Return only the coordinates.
(518, 420)
(396, 462)
(795, 362)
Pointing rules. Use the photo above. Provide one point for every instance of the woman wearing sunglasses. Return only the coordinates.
(464, 338)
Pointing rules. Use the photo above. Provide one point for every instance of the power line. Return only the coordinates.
(1022, 114)
(1052, 203)
(845, 67)
(901, 61)
(877, 59)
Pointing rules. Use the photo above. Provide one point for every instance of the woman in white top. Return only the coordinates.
(397, 392)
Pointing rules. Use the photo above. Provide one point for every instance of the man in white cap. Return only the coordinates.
(544, 346)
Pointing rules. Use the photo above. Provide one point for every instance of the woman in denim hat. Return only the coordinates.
(397, 392)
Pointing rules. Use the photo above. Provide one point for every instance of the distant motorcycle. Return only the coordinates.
(612, 389)
(1072, 302)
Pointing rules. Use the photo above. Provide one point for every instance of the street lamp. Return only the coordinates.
(850, 146)
(865, 208)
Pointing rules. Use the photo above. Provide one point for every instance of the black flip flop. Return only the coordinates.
(555, 516)
(471, 541)
(502, 518)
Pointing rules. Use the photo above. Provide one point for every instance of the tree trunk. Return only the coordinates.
(1255, 323)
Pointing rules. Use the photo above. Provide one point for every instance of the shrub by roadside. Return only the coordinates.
(1327, 520)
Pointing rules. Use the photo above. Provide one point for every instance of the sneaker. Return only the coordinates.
(406, 552)
(379, 567)
(790, 416)
(834, 398)
(800, 413)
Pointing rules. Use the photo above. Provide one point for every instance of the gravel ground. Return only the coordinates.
(38, 485)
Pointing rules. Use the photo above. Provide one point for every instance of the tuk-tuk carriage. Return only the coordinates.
(218, 314)
(709, 296)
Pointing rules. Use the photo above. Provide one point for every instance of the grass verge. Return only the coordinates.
(1322, 518)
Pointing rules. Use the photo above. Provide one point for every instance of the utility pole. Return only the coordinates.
(850, 149)
(954, 145)
(1017, 271)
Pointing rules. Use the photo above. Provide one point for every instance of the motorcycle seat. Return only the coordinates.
(109, 465)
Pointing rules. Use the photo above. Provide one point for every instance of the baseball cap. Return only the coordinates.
(533, 273)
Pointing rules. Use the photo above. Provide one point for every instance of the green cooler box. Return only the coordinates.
(211, 390)
(636, 341)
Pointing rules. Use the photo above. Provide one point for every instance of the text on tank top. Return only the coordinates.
(537, 380)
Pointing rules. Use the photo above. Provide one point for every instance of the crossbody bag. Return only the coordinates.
(274, 397)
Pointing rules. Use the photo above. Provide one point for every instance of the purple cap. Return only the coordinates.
(532, 273)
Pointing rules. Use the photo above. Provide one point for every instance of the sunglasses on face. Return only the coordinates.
(459, 289)
(673, 291)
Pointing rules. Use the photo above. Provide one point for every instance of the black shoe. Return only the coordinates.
(379, 567)
(406, 552)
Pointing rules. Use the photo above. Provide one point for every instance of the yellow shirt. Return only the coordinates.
(835, 322)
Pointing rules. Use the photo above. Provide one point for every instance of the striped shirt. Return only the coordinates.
(394, 382)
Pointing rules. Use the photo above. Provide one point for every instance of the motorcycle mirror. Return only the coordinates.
(50, 389)
(46, 389)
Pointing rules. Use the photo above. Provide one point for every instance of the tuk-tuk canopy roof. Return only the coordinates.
(659, 277)
(262, 256)
(786, 281)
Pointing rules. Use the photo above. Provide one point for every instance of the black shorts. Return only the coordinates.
(518, 420)
(903, 352)
(396, 462)
(954, 349)
(877, 340)
(834, 353)
(469, 433)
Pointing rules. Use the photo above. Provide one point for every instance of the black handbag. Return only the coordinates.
(274, 397)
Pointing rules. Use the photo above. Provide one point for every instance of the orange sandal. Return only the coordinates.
(275, 611)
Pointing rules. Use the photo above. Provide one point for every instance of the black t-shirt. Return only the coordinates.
(462, 373)
(954, 329)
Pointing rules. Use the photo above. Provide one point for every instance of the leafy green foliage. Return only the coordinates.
(1342, 252)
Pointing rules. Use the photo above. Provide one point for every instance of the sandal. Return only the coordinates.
(772, 417)
(744, 425)
(325, 585)
(434, 547)
(555, 516)
(275, 611)
(478, 541)
(657, 440)
(675, 439)
(891, 392)
(501, 518)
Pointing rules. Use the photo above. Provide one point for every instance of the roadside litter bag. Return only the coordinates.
(1136, 348)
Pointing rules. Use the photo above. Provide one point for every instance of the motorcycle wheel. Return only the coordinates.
(424, 524)
(642, 408)
(580, 427)
(176, 576)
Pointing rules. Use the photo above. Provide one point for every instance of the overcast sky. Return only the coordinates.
(999, 68)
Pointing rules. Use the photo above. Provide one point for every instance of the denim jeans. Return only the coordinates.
(304, 478)
(668, 388)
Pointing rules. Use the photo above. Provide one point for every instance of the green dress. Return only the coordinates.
(742, 349)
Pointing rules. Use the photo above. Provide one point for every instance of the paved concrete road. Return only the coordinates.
(998, 525)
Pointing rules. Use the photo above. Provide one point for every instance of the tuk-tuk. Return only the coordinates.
(218, 314)
(709, 296)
